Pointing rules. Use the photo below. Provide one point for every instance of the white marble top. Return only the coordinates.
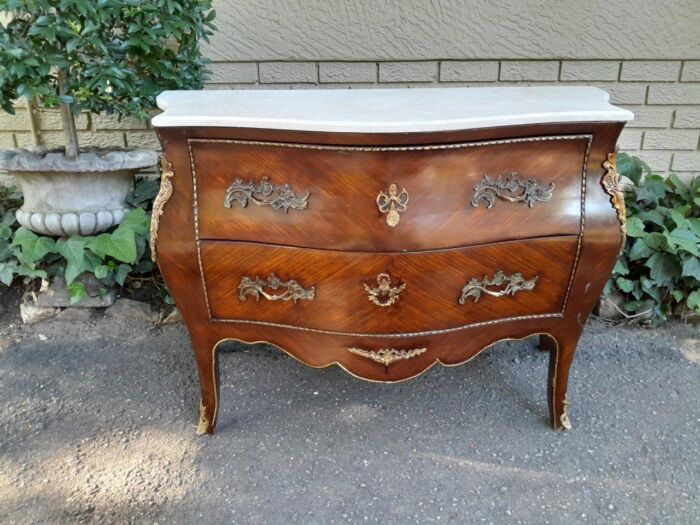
(387, 110)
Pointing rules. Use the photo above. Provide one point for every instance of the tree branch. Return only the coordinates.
(33, 124)
(69, 130)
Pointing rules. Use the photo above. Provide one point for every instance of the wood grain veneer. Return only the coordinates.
(343, 183)
(433, 282)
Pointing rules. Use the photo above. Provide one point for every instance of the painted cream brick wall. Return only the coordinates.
(645, 55)
(663, 94)
(643, 52)
(93, 130)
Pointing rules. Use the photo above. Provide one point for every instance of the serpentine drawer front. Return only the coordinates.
(387, 230)
(274, 192)
(344, 285)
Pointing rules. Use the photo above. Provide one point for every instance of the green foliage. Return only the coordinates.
(111, 55)
(143, 194)
(32, 247)
(111, 257)
(10, 245)
(661, 259)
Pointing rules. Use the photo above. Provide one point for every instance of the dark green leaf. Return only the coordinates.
(5, 232)
(652, 216)
(30, 270)
(621, 267)
(632, 306)
(33, 246)
(691, 267)
(144, 266)
(650, 288)
(7, 272)
(680, 188)
(629, 167)
(77, 292)
(695, 225)
(624, 284)
(143, 194)
(685, 239)
(119, 244)
(635, 227)
(8, 219)
(121, 273)
(663, 267)
(656, 241)
(679, 214)
(138, 221)
(73, 250)
(102, 271)
(652, 189)
(639, 250)
(5, 250)
(694, 300)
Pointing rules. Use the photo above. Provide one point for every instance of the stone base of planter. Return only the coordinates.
(57, 294)
(131, 309)
(31, 314)
(610, 308)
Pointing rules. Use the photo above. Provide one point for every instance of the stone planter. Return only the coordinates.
(73, 197)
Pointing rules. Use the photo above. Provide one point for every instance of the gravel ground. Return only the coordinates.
(97, 423)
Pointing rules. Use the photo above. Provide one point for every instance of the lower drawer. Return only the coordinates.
(379, 293)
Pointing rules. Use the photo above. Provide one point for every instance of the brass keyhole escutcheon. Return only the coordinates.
(384, 294)
(393, 204)
(387, 356)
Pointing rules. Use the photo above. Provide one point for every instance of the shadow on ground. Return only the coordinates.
(97, 424)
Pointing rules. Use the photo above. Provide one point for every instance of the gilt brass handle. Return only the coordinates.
(504, 284)
(511, 189)
(393, 204)
(292, 290)
(387, 356)
(384, 294)
(264, 194)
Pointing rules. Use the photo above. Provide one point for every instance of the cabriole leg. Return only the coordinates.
(560, 357)
(206, 354)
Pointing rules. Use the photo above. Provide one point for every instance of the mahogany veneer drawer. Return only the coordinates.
(372, 293)
(340, 197)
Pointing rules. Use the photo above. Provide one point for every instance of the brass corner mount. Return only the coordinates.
(164, 194)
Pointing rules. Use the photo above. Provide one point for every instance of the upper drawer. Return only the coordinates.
(388, 198)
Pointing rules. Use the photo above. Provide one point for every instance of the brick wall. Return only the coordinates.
(663, 94)
(93, 130)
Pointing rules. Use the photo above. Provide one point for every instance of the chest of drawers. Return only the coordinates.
(386, 231)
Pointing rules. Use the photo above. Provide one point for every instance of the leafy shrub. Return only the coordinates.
(660, 264)
(111, 257)
(106, 55)
(112, 56)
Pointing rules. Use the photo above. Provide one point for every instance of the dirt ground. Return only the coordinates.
(97, 421)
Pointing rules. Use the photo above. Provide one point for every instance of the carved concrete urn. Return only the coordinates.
(80, 196)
